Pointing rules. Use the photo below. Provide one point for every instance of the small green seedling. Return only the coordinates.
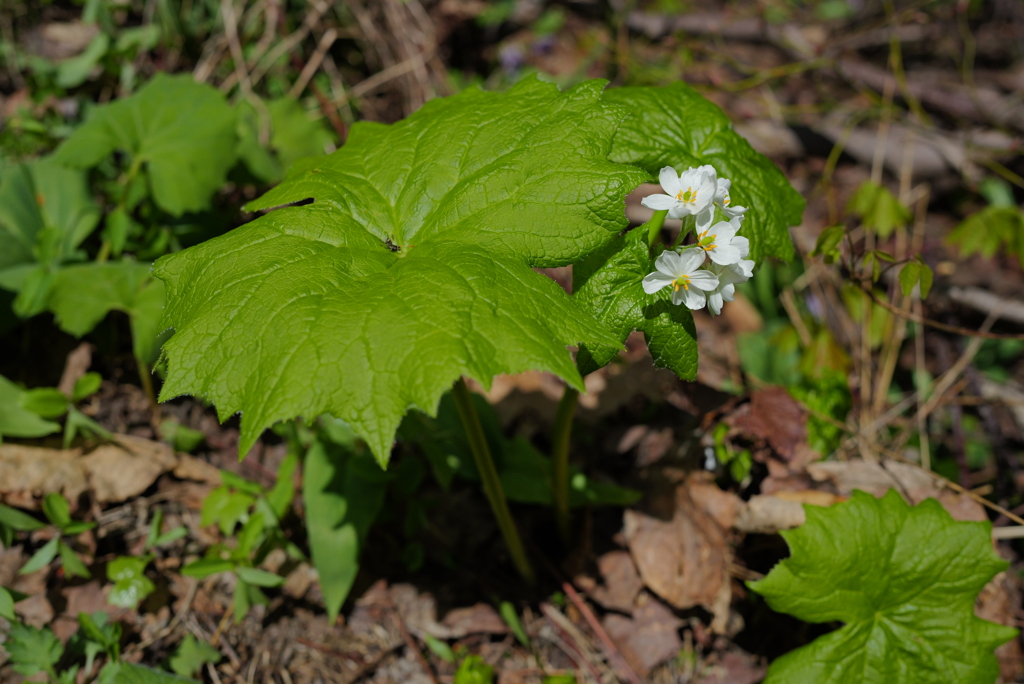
(128, 573)
(58, 511)
(259, 511)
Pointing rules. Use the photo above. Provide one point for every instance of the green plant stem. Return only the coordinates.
(654, 226)
(689, 223)
(489, 478)
(560, 458)
(122, 203)
(147, 386)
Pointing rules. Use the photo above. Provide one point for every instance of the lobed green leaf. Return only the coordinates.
(183, 133)
(902, 579)
(412, 266)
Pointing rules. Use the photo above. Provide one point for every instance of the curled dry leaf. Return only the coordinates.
(620, 582)
(683, 560)
(648, 638)
(29, 472)
(120, 471)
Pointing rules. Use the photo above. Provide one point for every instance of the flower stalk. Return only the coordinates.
(490, 480)
(560, 458)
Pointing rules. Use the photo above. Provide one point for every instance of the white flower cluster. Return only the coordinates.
(698, 192)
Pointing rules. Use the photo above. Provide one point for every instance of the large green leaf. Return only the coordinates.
(342, 498)
(607, 284)
(676, 126)
(83, 294)
(903, 580)
(182, 131)
(411, 267)
(17, 421)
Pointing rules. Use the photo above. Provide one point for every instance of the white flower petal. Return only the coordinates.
(659, 202)
(715, 303)
(653, 282)
(743, 244)
(734, 211)
(707, 172)
(669, 180)
(690, 260)
(679, 211)
(670, 263)
(705, 218)
(728, 292)
(744, 268)
(693, 298)
(703, 280)
(724, 254)
(723, 232)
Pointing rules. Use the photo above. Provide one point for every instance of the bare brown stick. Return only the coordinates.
(569, 646)
(910, 316)
(331, 112)
(606, 641)
(308, 71)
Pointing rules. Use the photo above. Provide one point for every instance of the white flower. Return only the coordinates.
(721, 243)
(684, 274)
(723, 201)
(689, 193)
(728, 278)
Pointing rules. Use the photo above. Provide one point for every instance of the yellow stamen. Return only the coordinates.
(689, 195)
(706, 242)
(685, 284)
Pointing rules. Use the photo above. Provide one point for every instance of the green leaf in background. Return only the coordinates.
(86, 386)
(131, 586)
(129, 673)
(99, 629)
(511, 617)
(411, 268)
(181, 437)
(182, 131)
(7, 605)
(57, 510)
(45, 401)
(607, 284)
(83, 295)
(226, 508)
(46, 553)
(32, 650)
(46, 211)
(878, 209)
(902, 579)
(676, 126)
(526, 478)
(916, 272)
(560, 679)
(828, 242)
(205, 567)
(191, 655)
(260, 578)
(827, 395)
(71, 563)
(991, 230)
(343, 496)
(15, 419)
(473, 670)
(75, 71)
(296, 135)
(439, 648)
